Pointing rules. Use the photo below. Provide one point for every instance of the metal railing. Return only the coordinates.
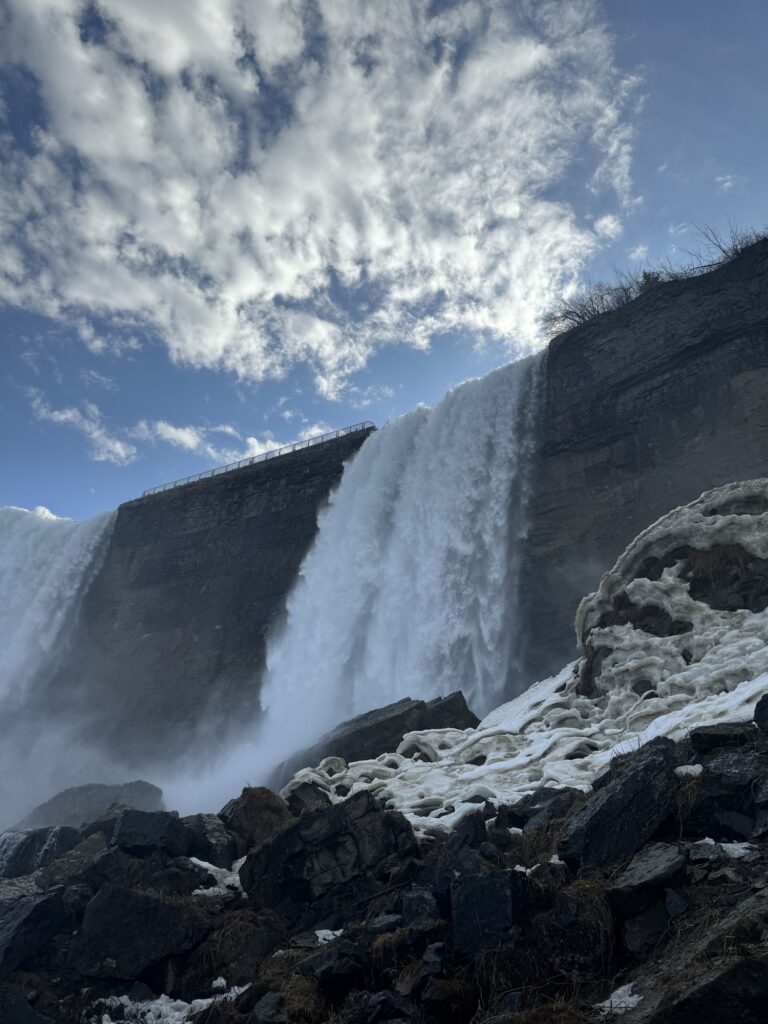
(274, 453)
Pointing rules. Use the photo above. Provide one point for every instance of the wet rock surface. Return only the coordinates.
(345, 916)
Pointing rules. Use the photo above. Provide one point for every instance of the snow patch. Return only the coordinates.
(620, 1001)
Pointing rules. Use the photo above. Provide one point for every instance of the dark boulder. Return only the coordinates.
(124, 931)
(385, 1006)
(324, 854)
(576, 934)
(22, 852)
(270, 1009)
(81, 804)
(646, 876)
(728, 794)
(142, 832)
(724, 734)
(210, 840)
(731, 989)
(307, 797)
(482, 911)
(621, 815)
(380, 732)
(337, 969)
(29, 921)
(641, 934)
(76, 865)
(761, 714)
(538, 810)
(255, 816)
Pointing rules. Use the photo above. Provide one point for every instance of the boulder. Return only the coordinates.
(337, 969)
(646, 876)
(482, 912)
(325, 853)
(730, 989)
(142, 832)
(623, 813)
(576, 934)
(306, 797)
(22, 852)
(76, 865)
(724, 734)
(29, 921)
(761, 714)
(81, 804)
(385, 1006)
(729, 794)
(255, 816)
(210, 840)
(380, 731)
(124, 931)
(270, 1009)
(641, 934)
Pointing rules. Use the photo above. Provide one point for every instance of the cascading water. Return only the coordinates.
(45, 566)
(411, 586)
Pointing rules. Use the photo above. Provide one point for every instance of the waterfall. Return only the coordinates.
(411, 585)
(46, 564)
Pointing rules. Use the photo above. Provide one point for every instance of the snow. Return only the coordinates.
(227, 880)
(553, 734)
(162, 1010)
(325, 935)
(689, 771)
(620, 1001)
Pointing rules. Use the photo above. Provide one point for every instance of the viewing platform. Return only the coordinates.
(274, 453)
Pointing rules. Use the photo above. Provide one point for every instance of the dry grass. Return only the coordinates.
(600, 297)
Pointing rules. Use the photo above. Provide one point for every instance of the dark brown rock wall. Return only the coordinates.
(641, 410)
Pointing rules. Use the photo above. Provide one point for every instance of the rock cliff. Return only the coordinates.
(641, 410)
(171, 639)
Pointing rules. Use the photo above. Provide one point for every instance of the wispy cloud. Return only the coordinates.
(727, 182)
(415, 181)
(92, 378)
(105, 446)
(639, 253)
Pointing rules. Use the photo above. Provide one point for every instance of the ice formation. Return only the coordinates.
(675, 637)
(410, 587)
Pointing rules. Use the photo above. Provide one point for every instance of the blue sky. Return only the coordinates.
(227, 224)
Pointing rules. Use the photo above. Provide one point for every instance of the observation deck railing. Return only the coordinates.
(273, 453)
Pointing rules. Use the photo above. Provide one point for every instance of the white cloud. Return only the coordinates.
(105, 447)
(260, 190)
(609, 226)
(639, 253)
(726, 182)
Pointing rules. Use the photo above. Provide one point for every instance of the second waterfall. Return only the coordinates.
(411, 587)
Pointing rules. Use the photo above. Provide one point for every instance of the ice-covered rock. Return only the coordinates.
(675, 638)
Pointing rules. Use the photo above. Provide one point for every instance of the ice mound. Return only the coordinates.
(675, 637)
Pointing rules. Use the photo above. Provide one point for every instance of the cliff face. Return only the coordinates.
(641, 410)
(172, 632)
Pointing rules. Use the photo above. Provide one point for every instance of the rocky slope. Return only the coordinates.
(595, 850)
